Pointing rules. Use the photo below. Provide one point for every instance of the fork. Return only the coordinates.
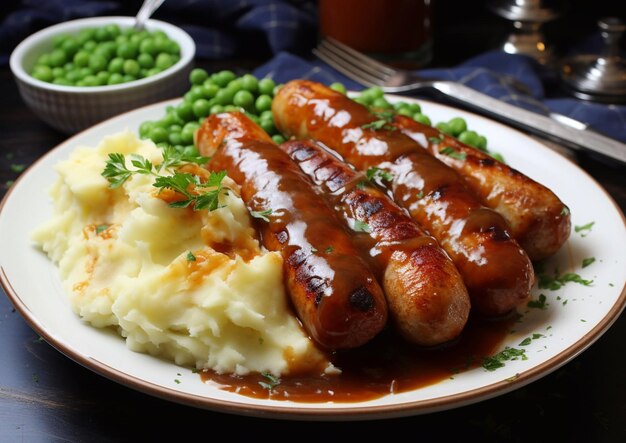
(555, 127)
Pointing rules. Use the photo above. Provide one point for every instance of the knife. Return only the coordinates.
(555, 127)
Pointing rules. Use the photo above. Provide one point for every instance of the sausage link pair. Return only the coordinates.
(497, 272)
(425, 293)
(538, 220)
(335, 295)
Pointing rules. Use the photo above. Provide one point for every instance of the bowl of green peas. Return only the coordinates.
(78, 73)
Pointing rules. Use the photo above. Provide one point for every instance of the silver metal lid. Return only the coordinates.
(599, 78)
(536, 11)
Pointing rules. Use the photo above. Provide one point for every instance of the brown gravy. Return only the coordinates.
(386, 365)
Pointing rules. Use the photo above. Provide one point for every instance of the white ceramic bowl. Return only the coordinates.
(72, 108)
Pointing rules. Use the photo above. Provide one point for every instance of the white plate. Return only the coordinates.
(32, 283)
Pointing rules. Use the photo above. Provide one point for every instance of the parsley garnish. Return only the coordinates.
(272, 382)
(384, 118)
(557, 281)
(329, 249)
(584, 229)
(525, 342)
(587, 261)
(17, 167)
(496, 361)
(420, 195)
(450, 152)
(101, 228)
(190, 256)
(203, 196)
(177, 381)
(377, 173)
(540, 303)
(116, 171)
(361, 184)
(435, 140)
(565, 211)
(261, 214)
(9, 183)
(361, 226)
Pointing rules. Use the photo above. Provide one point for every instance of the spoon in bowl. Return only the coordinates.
(147, 9)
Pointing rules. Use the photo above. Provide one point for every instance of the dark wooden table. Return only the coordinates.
(45, 396)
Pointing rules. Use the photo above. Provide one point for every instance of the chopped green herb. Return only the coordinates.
(177, 381)
(194, 370)
(361, 226)
(17, 168)
(9, 183)
(540, 303)
(587, 261)
(537, 335)
(101, 228)
(261, 214)
(190, 256)
(565, 211)
(495, 362)
(329, 249)
(272, 382)
(361, 184)
(435, 140)
(420, 195)
(450, 152)
(557, 281)
(377, 173)
(583, 320)
(38, 340)
(313, 250)
(584, 230)
(378, 125)
(525, 342)
(611, 284)
(564, 302)
(180, 182)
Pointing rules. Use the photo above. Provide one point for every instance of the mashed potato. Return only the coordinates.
(191, 286)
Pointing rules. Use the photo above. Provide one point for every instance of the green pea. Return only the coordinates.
(101, 34)
(444, 127)
(84, 72)
(235, 85)
(90, 45)
(405, 110)
(360, 100)
(222, 78)
(481, 143)
(129, 78)
(146, 61)
(469, 138)
(62, 81)
(116, 65)
(81, 59)
(372, 94)
(263, 103)
(127, 50)
(175, 138)
(243, 98)
(250, 83)
(163, 61)
(268, 126)
(73, 76)
(278, 139)
(44, 60)
(84, 35)
(115, 79)
(58, 58)
(381, 103)
(91, 80)
(266, 115)
(224, 97)
(145, 128)
(266, 86)
(58, 72)
(216, 109)
(113, 30)
(415, 108)
(103, 77)
(43, 73)
(70, 46)
(131, 67)
(209, 90)
(198, 76)
(422, 118)
(158, 135)
(399, 105)
(188, 132)
(497, 156)
(201, 108)
(173, 47)
(339, 87)
(253, 117)
(457, 125)
(184, 111)
(153, 71)
(97, 63)
(58, 40)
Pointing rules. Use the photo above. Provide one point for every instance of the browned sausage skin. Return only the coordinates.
(336, 295)
(425, 293)
(496, 270)
(539, 221)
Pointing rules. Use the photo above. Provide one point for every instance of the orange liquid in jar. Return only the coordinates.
(396, 30)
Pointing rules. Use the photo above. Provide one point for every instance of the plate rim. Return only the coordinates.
(292, 411)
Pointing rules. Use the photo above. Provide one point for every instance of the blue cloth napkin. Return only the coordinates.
(487, 73)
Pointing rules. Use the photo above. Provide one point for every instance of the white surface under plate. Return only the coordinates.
(33, 285)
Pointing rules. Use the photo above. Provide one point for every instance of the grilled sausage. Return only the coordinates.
(336, 295)
(425, 293)
(497, 272)
(539, 221)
